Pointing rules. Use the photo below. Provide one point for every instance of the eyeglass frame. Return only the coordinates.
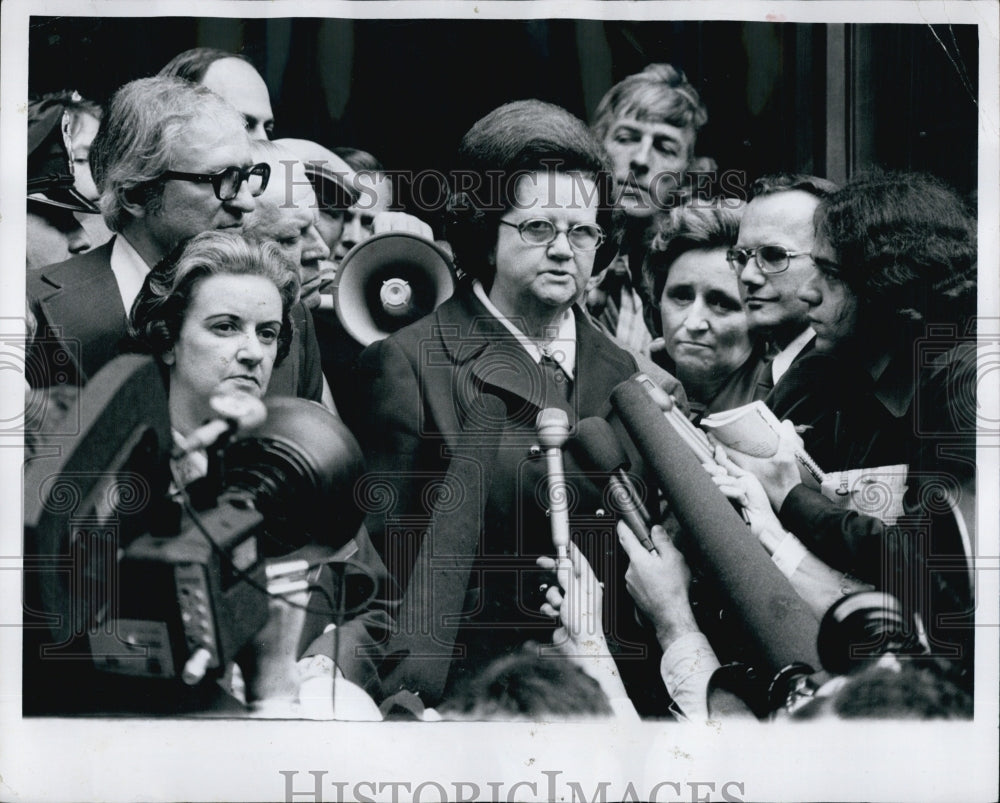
(215, 179)
(754, 252)
(601, 237)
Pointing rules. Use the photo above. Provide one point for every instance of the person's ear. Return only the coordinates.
(135, 199)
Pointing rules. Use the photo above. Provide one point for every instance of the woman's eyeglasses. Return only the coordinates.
(540, 231)
(227, 182)
(769, 258)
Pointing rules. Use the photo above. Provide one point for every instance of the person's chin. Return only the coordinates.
(761, 316)
(823, 344)
(558, 290)
(244, 385)
(637, 205)
(694, 362)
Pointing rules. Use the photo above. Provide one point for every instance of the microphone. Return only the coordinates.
(237, 412)
(597, 450)
(760, 596)
(552, 425)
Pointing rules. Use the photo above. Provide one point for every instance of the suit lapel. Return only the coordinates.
(88, 309)
(496, 363)
(478, 342)
(600, 365)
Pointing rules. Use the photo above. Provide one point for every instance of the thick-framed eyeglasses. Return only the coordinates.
(769, 258)
(227, 182)
(541, 231)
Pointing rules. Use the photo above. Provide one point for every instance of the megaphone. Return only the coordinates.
(388, 282)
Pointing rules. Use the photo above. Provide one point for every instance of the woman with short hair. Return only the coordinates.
(448, 423)
(705, 332)
(215, 315)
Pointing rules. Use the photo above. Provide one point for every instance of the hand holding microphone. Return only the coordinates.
(743, 488)
(237, 411)
(658, 581)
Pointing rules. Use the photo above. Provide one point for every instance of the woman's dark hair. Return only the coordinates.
(166, 294)
(905, 244)
(519, 138)
(703, 226)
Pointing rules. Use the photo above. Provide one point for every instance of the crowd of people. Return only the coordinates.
(168, 223)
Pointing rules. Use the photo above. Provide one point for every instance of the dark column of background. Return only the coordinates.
(408, 89)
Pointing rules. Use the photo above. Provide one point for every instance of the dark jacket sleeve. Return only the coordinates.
(921, 560)
(310, 378)
(359, 646)
(845, 539)
(402, 450)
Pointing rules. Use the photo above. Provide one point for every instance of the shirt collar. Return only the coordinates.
(562, 348)
(129, 269)
(783, 359)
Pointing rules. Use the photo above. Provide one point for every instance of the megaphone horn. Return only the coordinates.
(388, 281)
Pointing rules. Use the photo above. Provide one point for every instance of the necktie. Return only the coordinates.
(555, 377)
(765, 375)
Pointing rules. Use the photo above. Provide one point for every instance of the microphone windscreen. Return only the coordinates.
(552, 425)
(770, 610)
(246, 411)
(596, 448)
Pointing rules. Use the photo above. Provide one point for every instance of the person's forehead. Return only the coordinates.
(223, 293)
(85, 127)
(655, 128)
(703, 268)
(241, 85)
(823, 248)
(566, 194)
(207, 144)
(284, 221)
(787, 214)
(376, 192)
(288, 185)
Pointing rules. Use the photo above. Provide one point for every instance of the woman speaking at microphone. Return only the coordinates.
(457, 488)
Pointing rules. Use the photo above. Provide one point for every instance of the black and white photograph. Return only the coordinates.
(517, 401)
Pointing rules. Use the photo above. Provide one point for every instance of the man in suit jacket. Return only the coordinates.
(200, 178)
(772, 261)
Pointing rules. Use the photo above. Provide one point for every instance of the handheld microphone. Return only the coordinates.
(598, 450)
(552, 425)
(237, 412)
(769, 609)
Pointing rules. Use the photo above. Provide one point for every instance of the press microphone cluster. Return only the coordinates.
(598, 451)
(758, 594)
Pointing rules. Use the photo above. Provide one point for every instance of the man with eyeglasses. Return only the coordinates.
(171, 160)
(772, 259)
